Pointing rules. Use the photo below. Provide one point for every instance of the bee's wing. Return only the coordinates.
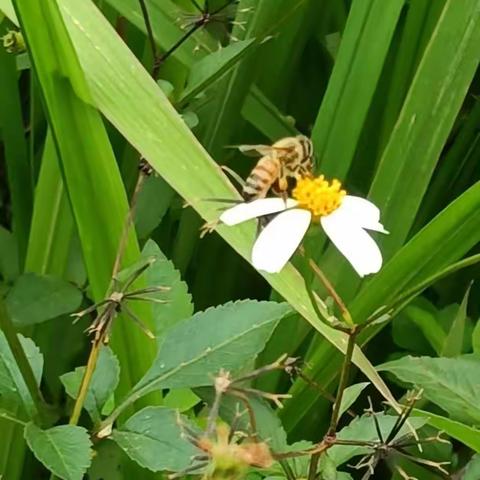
(253, 150)
(258, 150)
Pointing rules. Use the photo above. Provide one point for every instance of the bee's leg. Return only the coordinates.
(208, 227)
(234, 175)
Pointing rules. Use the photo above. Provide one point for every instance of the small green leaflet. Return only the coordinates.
(65, 450)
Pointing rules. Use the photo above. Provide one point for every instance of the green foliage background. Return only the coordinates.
(388, 92)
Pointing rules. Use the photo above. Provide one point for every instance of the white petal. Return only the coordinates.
(279, 239)
(354, 243)
(360, 211)
(248, 210)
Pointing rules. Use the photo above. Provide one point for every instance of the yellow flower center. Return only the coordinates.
(318, 195)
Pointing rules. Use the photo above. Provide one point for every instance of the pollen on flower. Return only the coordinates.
(318, 195)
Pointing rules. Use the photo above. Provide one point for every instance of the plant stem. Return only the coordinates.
(98, 341)
(87, 377)
(22, 362)
(331, 290)
(343, 382)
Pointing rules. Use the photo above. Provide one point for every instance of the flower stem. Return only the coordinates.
(23, 364)
(331, 290)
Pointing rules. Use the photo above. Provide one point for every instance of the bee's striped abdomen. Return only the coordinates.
(261, 178)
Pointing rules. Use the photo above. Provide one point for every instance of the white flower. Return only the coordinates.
(344, 218)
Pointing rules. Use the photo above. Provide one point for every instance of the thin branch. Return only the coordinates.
(148, 26)
(331, 290)
(343, 382)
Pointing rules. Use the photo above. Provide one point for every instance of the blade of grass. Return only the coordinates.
(132, 101)
(366, 38)
(428, 114)
(90, 172)
(430, 108)
(52, 221)
(7, 8)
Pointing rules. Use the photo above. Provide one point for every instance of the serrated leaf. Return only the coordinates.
(350, 395)
(450, 383)
(213, 66)
(197, 348)
(153, 438)
(103, 383)
(13, 390)
(37, 298)
(178, 304)
(472, 469)
(363, 429)
(65, 450)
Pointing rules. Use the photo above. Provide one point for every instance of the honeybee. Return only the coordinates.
(288, 158)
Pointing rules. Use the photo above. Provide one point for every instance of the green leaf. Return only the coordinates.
(52, 221)
(103, 383)
(363, 429)
(426, 320)
(7, 8)
(450, 383)
(181, 399)
(35, 299)
(350, 396)
(213, 66)
(472, 469)
(196, 349)
(152, 203)
(266, 117)
(13, 390)
(454, 342)
(153, 438)
(178, 304)
(65, 450)
(469, 436)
